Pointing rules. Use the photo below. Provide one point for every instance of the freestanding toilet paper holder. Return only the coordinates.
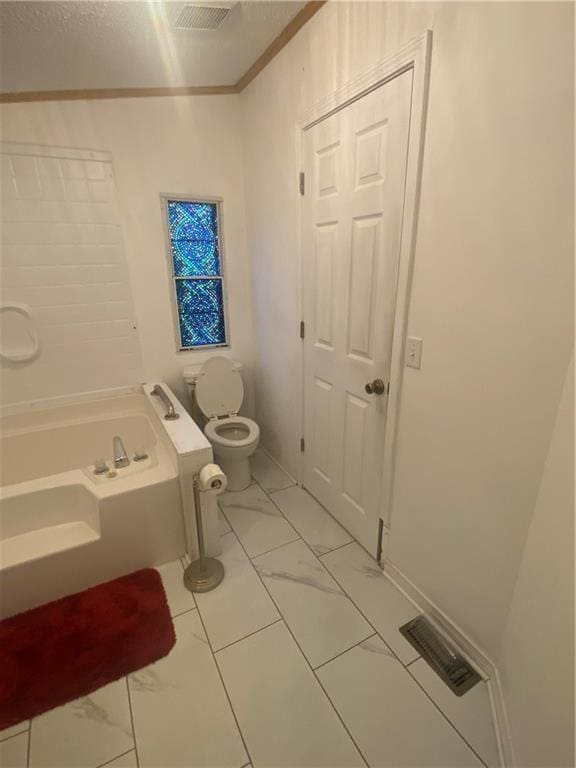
(205, 573)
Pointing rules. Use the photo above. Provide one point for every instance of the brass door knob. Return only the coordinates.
(376, 387)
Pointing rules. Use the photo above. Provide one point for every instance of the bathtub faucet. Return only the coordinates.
(120, 456)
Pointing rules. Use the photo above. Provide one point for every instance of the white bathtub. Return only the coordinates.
(63, 528)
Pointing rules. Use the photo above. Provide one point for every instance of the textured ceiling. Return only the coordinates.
(115, 44)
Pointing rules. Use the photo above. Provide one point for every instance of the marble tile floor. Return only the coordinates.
(294, 660)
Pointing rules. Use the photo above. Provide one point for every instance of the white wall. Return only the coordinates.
(492, 298)
(173, 145)
(492, 284)
(537, 664)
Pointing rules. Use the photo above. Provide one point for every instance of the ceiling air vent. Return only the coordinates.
(202, 16)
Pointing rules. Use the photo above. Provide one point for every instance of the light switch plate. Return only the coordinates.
(413, 352)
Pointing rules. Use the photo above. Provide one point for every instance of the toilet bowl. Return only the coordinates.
(218, 392)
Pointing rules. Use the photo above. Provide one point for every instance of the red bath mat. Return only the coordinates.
(68, 648)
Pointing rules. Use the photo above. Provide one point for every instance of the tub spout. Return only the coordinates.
(120, 456)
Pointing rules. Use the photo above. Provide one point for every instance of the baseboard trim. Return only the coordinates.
(479, 660)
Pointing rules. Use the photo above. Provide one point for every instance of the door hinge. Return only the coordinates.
(302, 329)
(302, 445)
(302, 183)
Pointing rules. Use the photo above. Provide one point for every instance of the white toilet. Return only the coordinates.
(217, 390)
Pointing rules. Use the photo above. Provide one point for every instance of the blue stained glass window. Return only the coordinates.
(196, 259)
(200, 312)
(194, 238)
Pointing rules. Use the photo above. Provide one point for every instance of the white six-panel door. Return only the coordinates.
(355, 171)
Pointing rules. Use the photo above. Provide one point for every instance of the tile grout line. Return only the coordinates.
(275, 549)
(340, 718)
(132, 722)
(19, 733)
(344, 591)
(300, 536)
(445, 716)
(340, 546)
(102, 765)
(225, 690)
(328, 661)
(282, 618)
(265, 492)
(366, 618)
(229, 645)
(209, 642)
(376, 633)
(188, 610)
(348, 543)
(353, 541)
(238, 640)
(29, 745)
(225, 648)
(349, 596)
(320, 684)
(233, 530)
(311, 668)
(279, 490)
(332, 518)
(393, 655)
(268, 456)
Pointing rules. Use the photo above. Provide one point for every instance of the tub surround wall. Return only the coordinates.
(62, 255)
(492, 282)
(174, 145)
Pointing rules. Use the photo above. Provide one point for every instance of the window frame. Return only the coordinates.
(219, 202)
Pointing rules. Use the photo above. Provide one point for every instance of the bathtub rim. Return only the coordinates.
(60, 401)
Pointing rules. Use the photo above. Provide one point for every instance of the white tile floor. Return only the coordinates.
(295, 660)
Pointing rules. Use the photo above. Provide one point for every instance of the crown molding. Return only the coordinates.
(289, 31)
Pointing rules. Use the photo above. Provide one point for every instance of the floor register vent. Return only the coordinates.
(452, 668)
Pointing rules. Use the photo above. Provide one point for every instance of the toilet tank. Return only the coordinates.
(190, 374)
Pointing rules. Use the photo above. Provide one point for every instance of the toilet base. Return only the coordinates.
(237, 473)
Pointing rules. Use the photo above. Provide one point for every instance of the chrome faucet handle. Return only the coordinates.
(100, 467)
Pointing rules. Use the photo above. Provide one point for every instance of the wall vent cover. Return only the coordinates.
(450, 666)
(201, 16)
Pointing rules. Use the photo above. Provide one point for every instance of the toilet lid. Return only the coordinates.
(219, 389)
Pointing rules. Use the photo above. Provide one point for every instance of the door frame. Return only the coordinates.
(415, 55)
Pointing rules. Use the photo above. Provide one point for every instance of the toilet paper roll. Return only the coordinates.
(211, 479)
